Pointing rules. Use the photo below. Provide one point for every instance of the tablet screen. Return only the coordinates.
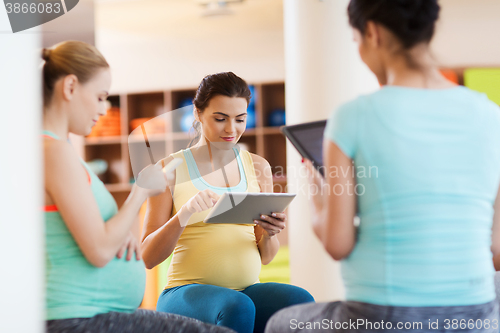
(312, 141)
(308, 139)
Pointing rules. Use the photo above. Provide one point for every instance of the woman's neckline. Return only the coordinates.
(198, 174)
(420, 89)
(51, 134)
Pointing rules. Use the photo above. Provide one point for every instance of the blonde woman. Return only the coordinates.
(95, 275)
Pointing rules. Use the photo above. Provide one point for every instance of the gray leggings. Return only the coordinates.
(141, 321)
(360, 317)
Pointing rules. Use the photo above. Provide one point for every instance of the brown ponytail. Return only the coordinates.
(71, 57)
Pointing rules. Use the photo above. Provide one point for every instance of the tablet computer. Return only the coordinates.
(244, 207)
(307, 138)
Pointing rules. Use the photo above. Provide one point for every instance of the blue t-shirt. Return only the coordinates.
(428, 167)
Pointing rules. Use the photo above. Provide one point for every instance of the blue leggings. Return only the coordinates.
(243, 311)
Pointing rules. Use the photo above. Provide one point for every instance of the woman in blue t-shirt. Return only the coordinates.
(426, 156)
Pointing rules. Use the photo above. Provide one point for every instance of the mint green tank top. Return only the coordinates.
(74, 287)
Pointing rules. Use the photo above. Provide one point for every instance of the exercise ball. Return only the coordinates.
(187, 120)
(185, 102)
(186, 117)
(277, 118)
(251, 117)
(251, 104)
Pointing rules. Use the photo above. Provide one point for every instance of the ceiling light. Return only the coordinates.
(217, 8)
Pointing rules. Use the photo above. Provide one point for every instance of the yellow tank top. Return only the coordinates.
(224, 255)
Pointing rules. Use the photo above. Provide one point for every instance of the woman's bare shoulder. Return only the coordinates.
(259, 161)
(59, 152)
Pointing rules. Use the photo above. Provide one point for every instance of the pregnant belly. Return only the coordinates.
(227, 257)
(124, 283)
(73, 283)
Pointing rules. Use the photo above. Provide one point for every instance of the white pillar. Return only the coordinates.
(21, 224)
(323, 70)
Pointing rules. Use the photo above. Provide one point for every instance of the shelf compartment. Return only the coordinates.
(275, 152)
(140, 154)
(181, 99)
(103, 140)
(249, 143)
(279, 179)
(273, 98)
(109, 125)
(114, 100)
(120, 197)
(279, 184)
(146, 105)
(111, 153)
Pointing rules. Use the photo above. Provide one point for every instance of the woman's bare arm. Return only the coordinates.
(67, 185)
(334, 223)
(495, 233)
(268, 245)
(160, 232)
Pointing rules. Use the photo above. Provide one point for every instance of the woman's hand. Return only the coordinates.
(317, 182)
(272, 224)
(202, 201)
(152, 180)
(132, 245)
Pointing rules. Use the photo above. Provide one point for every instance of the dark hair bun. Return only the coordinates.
(224, 83)
(412, 21)
(46, 54)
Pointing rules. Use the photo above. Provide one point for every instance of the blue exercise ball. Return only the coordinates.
(251, 104)
(186, 117)
(277, 118)
(185, 102)
(251, 117)
(187, 120)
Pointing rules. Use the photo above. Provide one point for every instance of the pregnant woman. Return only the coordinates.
(93, 283)
(422, 253)
(214, 273)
